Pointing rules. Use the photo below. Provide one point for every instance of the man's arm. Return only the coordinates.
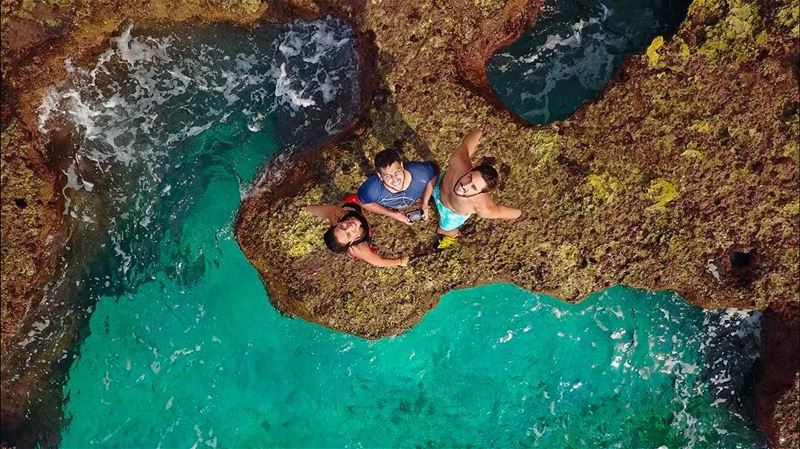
(428, 192)
(489, 209)
(376, 208)
(426, 197)
(362, 251)
(465, 150)
(368, 197)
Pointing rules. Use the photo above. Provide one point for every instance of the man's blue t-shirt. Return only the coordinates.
(373, 190)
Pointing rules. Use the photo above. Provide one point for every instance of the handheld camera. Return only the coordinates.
(415, 215)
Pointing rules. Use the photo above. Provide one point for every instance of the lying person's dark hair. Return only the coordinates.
(336, 245)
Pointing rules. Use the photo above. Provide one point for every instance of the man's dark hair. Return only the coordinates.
(386, 158)
(489, 174)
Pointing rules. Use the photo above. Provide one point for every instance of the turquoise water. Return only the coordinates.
(490, 367)
(573, 49)
(185, 350)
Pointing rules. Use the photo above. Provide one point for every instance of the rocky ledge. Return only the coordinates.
(682, 176)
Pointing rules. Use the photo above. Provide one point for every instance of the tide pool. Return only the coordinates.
(185, 350)
(573, 49)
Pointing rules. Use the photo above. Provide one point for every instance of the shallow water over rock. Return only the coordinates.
(572, 50)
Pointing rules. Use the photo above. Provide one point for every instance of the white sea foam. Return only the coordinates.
(147, 95)
(286, 90)
(583, 53)
(507, 337)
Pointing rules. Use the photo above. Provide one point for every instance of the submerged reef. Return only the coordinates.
(683, 175)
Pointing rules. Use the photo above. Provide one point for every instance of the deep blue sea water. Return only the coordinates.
(185, 350)
(573, 49)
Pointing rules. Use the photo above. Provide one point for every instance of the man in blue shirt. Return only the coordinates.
(397, 186)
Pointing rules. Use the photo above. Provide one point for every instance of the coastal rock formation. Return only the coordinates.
(683, 175)
(37, 39)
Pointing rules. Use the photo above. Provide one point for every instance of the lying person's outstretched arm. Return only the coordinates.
(489, 209)
(362, 251)
(330, 213)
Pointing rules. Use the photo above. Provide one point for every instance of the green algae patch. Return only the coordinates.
(302, 237)
(788, 16)
(792, 209)
(545, 146)
(738, 35)
(702, 126)
(692, 153)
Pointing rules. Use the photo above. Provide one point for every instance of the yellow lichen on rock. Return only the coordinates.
(737, 35)
(684, 50)
(652, 51)
(545, 147)
(789, 17)
(661, 192)
(303, 236)
(691, 152)
(489, 6)
(792, 210)
(567, 254)
(604, 187)
(702, 126)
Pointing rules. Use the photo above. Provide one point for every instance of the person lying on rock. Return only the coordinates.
(397, 185)
(349, 233)
(462, 190)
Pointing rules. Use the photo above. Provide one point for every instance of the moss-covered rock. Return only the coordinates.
(681, 160)
(30, 227)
